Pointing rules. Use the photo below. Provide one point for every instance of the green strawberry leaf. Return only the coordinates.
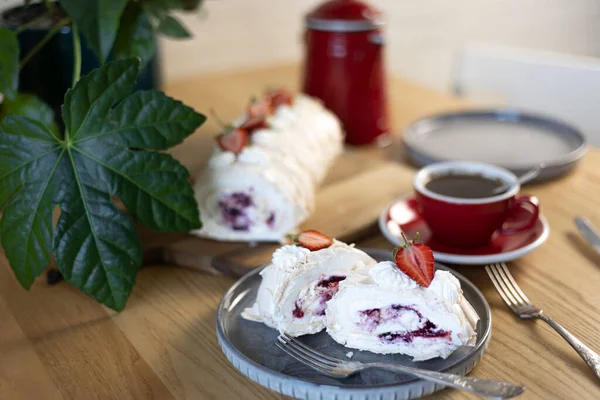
(111, 150)
(9, 64)
(135, 37)
(98, 21)
(169, 26)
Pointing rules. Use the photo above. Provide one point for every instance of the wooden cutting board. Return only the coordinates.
(347, 208)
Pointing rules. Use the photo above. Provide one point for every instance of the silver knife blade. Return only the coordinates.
(588, 232)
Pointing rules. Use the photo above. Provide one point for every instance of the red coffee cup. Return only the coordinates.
(468, 222)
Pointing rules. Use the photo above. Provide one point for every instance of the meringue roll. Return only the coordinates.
(268, 189)
(298, 284)
(382, 310)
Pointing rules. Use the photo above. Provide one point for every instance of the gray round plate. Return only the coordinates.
(250, 347)
(508, 138)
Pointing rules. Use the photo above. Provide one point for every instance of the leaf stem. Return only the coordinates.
(76, 55)
(42, 43)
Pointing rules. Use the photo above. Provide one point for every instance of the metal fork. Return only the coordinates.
(335, 367)
(514, 297)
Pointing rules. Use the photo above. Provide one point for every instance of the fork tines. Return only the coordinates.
(306, 355)
(505, 284)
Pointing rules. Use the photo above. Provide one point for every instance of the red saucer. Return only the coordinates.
(402, 216)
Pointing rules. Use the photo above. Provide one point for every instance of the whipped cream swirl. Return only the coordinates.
(289, 256)
(387, 275)
(446, 287)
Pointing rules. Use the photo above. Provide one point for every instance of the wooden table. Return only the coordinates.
(55, 343)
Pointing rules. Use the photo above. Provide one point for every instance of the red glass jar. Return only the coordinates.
(344, 67)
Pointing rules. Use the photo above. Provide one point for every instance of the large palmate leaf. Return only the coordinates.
(136, 36)
(29, 106)
(111, 149)
(12, 102)
(98, 21)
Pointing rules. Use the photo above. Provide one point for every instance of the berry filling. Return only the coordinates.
(331, 282)
(271, 220)
(326, 288)
(298, 313)
(429, 330)
(371, 319)
(235, 209)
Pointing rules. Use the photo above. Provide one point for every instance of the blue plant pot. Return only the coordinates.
(50, 72)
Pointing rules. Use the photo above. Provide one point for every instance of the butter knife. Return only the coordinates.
(588, 232)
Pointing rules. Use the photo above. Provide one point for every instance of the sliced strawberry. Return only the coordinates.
(259, 109)
(233, 140)
(415, 260)
(277, 97)
(253, 123)
(312, 240)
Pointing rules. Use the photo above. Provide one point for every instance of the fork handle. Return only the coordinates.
(590, 357)
(482, 387)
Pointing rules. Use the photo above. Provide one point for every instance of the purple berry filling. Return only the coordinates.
(371, 319)
(327, 287)
(429, 330)
(271, 220)
(234, 210)
(332, 281)
(298, 312)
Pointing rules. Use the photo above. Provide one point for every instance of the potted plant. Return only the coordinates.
(110, 147)
(45, 35)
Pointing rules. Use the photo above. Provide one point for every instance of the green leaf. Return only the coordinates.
(9, 64)
(162, 6)
(191, 5)
(28, 105)
(169, 26)
(98, 21)
(167, 5)
(111, 150)
(29, 157)
(135, 37)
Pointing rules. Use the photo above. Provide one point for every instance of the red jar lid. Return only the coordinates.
(344, 16)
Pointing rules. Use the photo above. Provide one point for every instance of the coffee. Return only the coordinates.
(464, 185)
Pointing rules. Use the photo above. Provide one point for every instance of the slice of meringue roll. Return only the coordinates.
(380, 309)
(257, 195)
(298, 284)
(268, 189)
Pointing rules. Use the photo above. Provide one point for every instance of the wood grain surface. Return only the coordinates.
(55, 343)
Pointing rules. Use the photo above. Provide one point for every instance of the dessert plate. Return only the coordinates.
(250, 347)
(402, 216)
(507, 138)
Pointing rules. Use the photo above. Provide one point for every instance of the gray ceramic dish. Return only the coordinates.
(515, 140)
(250, 347)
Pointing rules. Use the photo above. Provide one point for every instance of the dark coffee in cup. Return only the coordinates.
(456, 201)
(465, 186)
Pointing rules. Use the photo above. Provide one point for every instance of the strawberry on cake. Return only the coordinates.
(261, 179)
(300, 281)
(402, 308)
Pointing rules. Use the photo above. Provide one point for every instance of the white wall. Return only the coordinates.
(423, 35)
